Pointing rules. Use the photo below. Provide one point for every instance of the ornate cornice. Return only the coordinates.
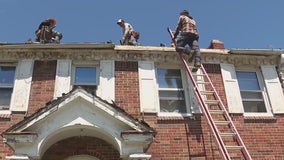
(165, 55)
(133, 53)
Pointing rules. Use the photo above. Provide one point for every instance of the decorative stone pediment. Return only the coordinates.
(77, 114)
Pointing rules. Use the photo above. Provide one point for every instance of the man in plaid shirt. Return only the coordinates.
(186, 34)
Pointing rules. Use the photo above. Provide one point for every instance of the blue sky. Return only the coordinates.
(254, 24)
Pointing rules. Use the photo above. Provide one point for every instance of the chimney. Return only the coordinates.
(216, 44)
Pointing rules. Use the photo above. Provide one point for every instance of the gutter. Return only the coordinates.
(262, 52)
(57, 46)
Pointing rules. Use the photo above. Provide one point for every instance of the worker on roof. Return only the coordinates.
(45, 32)
(186, 34)
(130, 36)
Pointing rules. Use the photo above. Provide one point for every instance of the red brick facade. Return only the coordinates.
(127, 87)
(42, 88)
(81, 146)
(176, 139)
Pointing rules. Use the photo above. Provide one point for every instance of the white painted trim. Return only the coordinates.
(274, 89)
(148, 87)
(22, 86)
(106, 84)
(104, 107)
(233, 94)
(63, 78)
(17, 157)
(139, 156)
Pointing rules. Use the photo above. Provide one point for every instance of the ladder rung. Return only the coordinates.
(222, 122)
(199, 74)
(228, 134)
(211, 101)
(234, 147)
(206, 92)
(202, 82)
(216, 111)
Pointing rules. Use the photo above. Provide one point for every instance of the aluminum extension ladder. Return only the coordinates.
(227, 138)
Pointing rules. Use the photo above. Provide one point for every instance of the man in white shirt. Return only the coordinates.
(127, 32)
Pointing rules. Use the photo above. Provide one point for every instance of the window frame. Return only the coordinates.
(73, 73)
(8, 107)
(185, 85)
(263, 91)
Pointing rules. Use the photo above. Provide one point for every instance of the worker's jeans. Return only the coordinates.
(131, 41)
(191, 40)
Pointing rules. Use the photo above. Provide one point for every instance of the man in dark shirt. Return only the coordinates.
(45, 32)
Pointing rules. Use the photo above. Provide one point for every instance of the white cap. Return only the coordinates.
(120, 20)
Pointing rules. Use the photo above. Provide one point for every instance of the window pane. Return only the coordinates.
(5, 96)
(169, 78)
(85, 75)
(175, 95)
(172, 106)
(247, 80)
(7, 75)
(254, 106)
(171, 92)
(251, 95)
(172, 101)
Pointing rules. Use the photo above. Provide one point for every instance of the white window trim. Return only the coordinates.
(264, 93)
(2, 108)
(104, 79)
(187, 95)
(84, 65)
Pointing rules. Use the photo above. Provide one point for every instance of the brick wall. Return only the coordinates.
(81, 146)
(185, 138)
(5, 123)
(127, 87)
(177, 138)
(42, 88)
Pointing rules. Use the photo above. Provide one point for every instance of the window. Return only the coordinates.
(7, 76)
(252, 92)
(86, 77)
(171, 92)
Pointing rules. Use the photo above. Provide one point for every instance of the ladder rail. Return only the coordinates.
(208, 116)
(228, 117)
(212, 125)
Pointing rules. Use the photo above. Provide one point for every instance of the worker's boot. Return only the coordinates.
(197, 64)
